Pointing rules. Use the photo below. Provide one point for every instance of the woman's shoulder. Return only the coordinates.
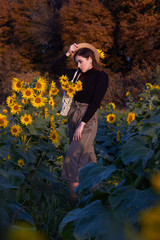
(102, 75)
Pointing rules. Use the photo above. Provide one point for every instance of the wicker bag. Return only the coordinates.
(66, 100)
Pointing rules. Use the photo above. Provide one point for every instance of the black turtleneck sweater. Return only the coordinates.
(94, 86)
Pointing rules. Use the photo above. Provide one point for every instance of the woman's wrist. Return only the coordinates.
(82, 123)
(68, 53)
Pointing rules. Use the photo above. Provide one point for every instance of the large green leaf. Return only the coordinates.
(127, 202)
(14, 176)
(5, 184)
(155, 119)
(93, 221)
(135, 151)
(4, 150)
(43, 172)
(21, 213)
(92, 174)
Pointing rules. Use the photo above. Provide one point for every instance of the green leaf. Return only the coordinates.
(155, 119)
(44, 173)
(127, 202)
(22, 214)
(4, 151)
(92, 221)
(16, 177)
(4, 184)
(135, 151)
(92, 174)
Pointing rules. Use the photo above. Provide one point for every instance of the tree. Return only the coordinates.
(86, 21)
(29, 37)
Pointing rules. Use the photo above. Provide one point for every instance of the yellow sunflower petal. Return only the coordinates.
(26, 119)
(3, 121)
(15, 130)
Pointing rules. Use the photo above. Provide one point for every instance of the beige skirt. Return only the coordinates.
(80, 152)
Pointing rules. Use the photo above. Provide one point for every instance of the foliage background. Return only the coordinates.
(34, 34)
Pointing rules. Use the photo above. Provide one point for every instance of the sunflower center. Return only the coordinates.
(26, 119)
(37, 100)
(1, 121)
(70, 90)
(16, 107)
(18, 85)
(14, 130)
(53, 136)
(28, 93)
(111, 118)
(39, 85)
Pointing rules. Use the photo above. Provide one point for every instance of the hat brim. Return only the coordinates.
(90, 46)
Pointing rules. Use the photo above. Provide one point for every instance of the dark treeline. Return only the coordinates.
(34, 33)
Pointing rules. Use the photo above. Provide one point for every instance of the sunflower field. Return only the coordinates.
(118, 198)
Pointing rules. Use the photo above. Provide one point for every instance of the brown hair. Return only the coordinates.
(86, 53)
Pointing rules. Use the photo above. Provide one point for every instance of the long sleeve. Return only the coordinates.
(59, 68)
(99, 92)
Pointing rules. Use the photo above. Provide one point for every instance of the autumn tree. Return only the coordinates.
(28, 37)
(136, 50)
(86, 21)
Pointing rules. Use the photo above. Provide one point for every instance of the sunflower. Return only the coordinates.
(54, 136)
(24, 101)
(17, 85)
(28, 93)
(5, 111)
(38, 101)
(150, 222)
(21, 162)
(65, 86)
(157, 87)
(155, 182)
(63, 78)
(14, 95)
(41, 85)
(15, 130)
(101, 54)
(3, 121)
(71, 91)
(127, 94)
(64, 121)
(16, 108)
(51, 102)
(130, 117)
(26, 119)
(111, 106)
(10, 101)
(111, 118)
(78, 86)
(118, 135)
(52, 121)
(53, 91)
(53, 84)
(45, 112)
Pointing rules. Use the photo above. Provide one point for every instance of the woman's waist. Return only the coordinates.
(79, 104)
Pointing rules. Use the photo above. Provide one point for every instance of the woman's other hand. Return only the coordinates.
(72, 49)
(78, 132)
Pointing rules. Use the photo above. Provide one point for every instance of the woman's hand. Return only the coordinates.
(78, 132)
(72, 49)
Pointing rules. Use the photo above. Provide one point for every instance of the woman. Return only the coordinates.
(82, 117)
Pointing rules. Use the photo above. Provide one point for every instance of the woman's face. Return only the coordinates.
(84, 64)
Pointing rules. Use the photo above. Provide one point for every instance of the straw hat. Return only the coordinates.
(90, 46)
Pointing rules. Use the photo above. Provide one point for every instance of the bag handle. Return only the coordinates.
(75, 76)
